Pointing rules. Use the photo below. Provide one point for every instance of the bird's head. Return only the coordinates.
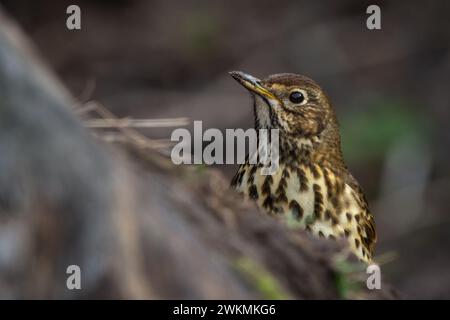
(295, 105)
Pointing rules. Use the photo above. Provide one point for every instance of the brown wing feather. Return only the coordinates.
(370, 237)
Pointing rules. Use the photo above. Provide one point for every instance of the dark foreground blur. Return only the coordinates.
(161, 59)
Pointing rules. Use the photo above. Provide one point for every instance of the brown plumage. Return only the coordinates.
(312, 187)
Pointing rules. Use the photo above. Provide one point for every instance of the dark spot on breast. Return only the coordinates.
(318, 201)
(346, 233)
(282, 184)
(335, 201)
(316, 187)
(349, 216)
(266, 185)
(253, 192)
(297, 210)
(328, 183)
(302, 180)
(334, 220)
(339, 187)
(281, 198)
(237, 179)
(268, 202)
(315, 171)
(251, 175)
(280, 192)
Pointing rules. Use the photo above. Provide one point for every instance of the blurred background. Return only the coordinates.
(390, 88)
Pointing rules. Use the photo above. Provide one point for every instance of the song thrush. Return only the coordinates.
(312, 185)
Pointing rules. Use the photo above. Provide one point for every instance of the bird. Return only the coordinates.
(312, 187)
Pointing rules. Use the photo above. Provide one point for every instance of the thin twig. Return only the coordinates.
(126, 128)
(135, 123)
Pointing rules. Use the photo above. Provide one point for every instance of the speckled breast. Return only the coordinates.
(313, 198)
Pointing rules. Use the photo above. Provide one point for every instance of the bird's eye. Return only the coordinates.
(296, 97)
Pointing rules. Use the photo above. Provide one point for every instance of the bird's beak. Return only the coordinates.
(252, 84)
